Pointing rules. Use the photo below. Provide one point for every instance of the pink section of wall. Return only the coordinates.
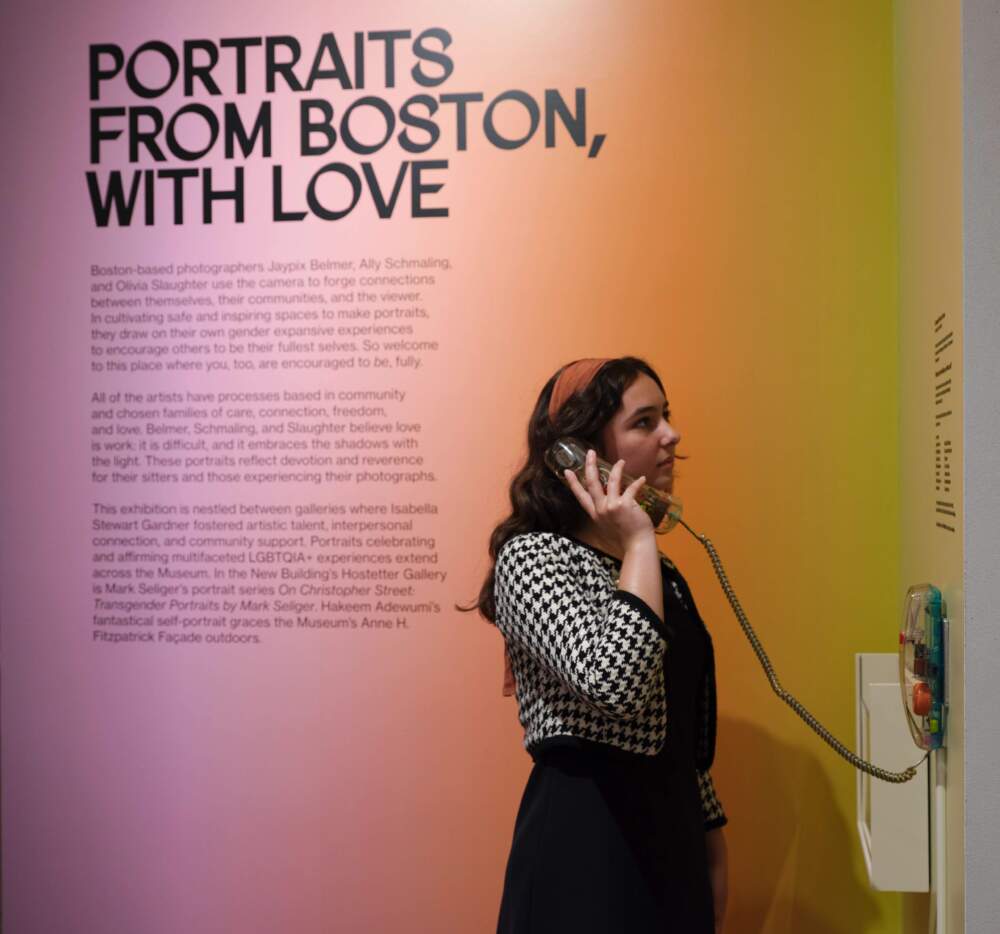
(736, 229)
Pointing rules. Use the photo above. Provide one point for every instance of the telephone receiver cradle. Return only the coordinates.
(665, 513)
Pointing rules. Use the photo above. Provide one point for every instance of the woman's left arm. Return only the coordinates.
(718, 871)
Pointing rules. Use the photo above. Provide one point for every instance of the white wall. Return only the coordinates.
(981, 70)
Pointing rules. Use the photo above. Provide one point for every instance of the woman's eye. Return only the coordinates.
(645, 419)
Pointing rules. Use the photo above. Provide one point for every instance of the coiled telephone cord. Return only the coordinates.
(794, 703)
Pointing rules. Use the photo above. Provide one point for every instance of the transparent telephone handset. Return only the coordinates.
(663, 509)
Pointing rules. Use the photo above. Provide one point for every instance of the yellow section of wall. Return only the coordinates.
(788, 389)
(929, 120)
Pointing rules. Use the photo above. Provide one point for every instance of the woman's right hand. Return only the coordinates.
(616, 514)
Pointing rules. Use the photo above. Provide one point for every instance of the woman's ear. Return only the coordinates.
(603, 448)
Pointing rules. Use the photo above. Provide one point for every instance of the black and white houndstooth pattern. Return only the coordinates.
(587, 657)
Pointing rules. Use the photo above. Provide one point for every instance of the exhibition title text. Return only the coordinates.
(159, 110)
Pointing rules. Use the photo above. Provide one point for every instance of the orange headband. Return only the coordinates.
(573, 378)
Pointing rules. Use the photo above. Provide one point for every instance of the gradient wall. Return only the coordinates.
(737, 228)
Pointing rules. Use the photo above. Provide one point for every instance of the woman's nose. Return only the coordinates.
(671, 434)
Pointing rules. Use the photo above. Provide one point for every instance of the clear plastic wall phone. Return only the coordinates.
(665, 513)
(922, 665)
(902, 829)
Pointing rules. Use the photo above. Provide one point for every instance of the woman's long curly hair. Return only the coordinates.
(540, 501)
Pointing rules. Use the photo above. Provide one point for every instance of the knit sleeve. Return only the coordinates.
(711, 807)
(608, 652)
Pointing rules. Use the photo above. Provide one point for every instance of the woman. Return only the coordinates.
(619, 828)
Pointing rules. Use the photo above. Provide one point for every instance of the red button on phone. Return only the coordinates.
(921, 699)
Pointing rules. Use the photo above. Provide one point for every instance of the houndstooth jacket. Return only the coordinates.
(588, 657)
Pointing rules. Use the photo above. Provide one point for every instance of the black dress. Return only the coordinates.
(612, 841)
